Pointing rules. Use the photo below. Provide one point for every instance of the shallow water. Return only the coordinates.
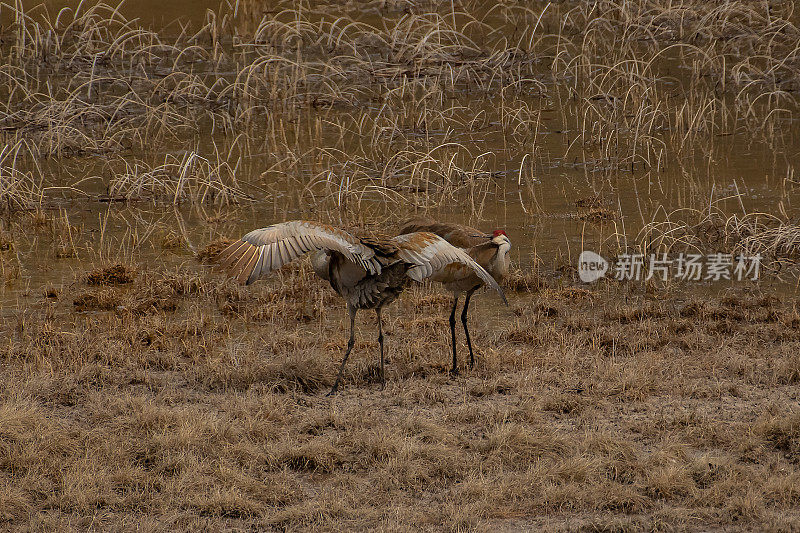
(150, 13)
(733, 172)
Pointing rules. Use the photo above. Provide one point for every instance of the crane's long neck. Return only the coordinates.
(500, 261)
(492, 257)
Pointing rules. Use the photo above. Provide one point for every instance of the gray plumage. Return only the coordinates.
(490, 250)
(368, 273)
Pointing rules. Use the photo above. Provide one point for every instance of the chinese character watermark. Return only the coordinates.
(687, 267)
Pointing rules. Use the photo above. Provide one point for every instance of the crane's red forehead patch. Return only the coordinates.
(499, 232)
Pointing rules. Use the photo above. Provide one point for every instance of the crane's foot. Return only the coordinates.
(454, 372)
(334, 390)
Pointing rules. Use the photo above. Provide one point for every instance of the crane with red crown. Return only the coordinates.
(488, 250)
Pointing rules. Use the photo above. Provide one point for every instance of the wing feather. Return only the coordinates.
(254, 274)
(249, 266)
(431, 254)
(239, 258)
(295, 245)
(263, 250)
(275, 252)
(283, 254)
(266, 262)
(231, 254)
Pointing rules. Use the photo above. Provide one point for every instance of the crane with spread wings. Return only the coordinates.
(368, 273)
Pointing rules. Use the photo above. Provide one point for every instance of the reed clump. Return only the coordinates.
(210, 252)
(118, 274)
(753, 235)
(177, 180)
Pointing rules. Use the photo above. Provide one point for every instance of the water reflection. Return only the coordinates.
(373, 133)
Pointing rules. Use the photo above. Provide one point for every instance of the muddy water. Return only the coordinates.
(150, 13)
(736, 173)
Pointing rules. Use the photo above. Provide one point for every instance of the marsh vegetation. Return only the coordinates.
(141, 389)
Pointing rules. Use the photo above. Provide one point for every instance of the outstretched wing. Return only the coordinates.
(431, 254)
(263, 250)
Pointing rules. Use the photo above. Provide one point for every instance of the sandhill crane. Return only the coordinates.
(368, 273)
(488, 250)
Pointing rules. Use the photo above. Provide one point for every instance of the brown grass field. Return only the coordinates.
(142, 390)
(179, 400)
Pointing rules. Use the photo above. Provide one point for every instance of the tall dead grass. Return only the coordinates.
(377, 111)
(771, 238)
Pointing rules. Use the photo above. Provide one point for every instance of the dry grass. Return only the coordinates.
(210, 252)
(166, 398)
(177, 180)
(112, 275)
(774, 239)
(185, 401)
(332, 107)
(522, 281)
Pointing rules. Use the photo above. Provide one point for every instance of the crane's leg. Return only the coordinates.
(466, 330)
(454, 370)
(350, 344)
(380, 341)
